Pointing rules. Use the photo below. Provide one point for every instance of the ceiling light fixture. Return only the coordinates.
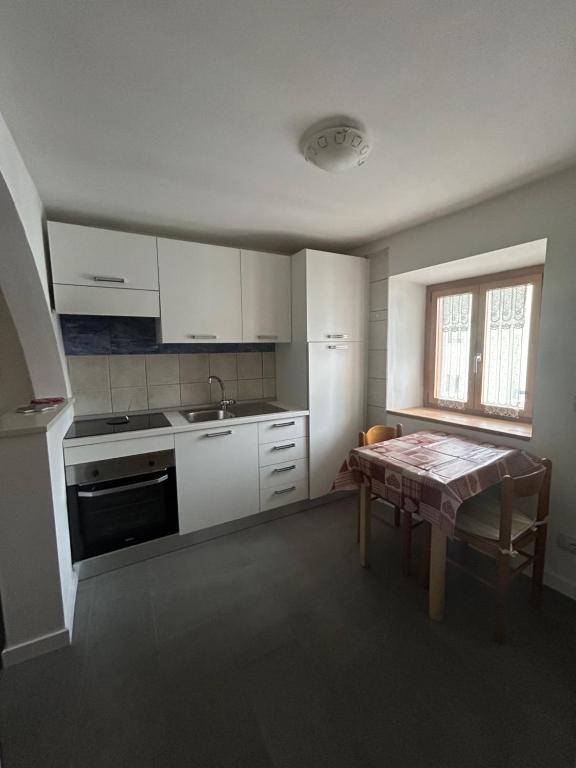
(336, 148)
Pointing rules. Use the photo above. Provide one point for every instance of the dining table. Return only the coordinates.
(429, 474)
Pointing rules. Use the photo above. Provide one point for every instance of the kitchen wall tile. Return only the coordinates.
(127, 371)
(90, 401)
(194, 368)
(249, 365)
(268, 365)
(250, 389)
(377, 335)
(89, 372)
(379, 314)
(230, 388)
(269, 387)
(379, 295)
(224, 365)
(377, 364)
(379, 265)
(377, 392)
(195, 393)
(130, 399)
(164, 396)
(162, 369)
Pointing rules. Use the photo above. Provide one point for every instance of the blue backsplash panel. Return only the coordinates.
(96, 335)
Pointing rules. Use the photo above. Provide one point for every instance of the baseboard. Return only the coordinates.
(15, 654)
(560, 584)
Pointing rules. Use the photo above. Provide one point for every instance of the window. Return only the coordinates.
(481, 339)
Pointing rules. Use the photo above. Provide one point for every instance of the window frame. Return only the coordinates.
(478, 287)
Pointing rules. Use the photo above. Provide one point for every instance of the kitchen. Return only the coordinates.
(211, 300)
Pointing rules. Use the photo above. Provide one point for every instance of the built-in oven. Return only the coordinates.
(120, 502)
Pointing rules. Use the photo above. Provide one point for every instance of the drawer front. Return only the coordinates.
(80, 454)
(283, 451)
(282, 495)
(102, 257)
(84, 300)
(281, 474)
(282, 429)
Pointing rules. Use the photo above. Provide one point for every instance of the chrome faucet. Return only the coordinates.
(224, 402)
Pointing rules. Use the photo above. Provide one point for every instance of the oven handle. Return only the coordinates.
(120, 488)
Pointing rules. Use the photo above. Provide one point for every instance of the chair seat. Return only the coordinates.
(483, 520)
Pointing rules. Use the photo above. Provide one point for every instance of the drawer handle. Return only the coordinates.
(104, 279)
(202, 336)
(285, 490)
(267, 336)
(283, 447)
(218, 434)
(337, 346)
(285, 424)
(336, 335)
(285, 469)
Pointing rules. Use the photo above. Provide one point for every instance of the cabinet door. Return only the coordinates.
(200, 295)
(337, 389)
(102, 257)
(337, 296)
(266, 297)
(217, 475)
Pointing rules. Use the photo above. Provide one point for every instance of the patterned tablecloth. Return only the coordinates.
(432, 473)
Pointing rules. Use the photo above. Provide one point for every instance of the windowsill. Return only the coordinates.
(479, 423)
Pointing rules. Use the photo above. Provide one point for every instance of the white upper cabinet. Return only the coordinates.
(200, 294)
(103, 272)
(102, 257)
(266, 299)
(333, 290)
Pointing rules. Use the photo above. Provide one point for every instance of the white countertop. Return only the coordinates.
(13, 424)
(179, 424)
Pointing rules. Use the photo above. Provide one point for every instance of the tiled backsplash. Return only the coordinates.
(105, 383)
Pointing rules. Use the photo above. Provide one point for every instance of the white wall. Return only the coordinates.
(543, 209)
(23, 274)
(15, 385)
(37, 580)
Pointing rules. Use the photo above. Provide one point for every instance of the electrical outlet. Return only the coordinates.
(567, 542)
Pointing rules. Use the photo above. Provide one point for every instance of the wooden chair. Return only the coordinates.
(502, 531)
(379, 434)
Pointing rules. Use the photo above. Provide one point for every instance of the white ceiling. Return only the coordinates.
(184, 116)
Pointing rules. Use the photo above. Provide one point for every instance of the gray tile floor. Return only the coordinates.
(272, 648)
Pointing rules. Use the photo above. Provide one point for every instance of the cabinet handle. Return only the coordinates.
(336, 335)
(104, 279)
(283, 447)
(285, 469)
(218, 434)
(337, 346)
(267, 336)
(285, 424)
(203, 336)
(285, 490)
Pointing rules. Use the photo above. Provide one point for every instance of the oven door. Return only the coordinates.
(114, 514)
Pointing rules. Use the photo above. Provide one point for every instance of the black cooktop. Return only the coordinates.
(108, 425)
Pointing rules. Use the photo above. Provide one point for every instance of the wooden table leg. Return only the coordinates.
(436, 596)
(365, 520)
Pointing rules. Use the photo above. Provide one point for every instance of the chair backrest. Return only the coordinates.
(532, 484)
(379, 434)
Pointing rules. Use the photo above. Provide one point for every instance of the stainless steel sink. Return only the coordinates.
(215, 415)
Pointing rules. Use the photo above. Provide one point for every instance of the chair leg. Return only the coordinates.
(406, 542)
(538, 567)
(396, 517)
(358, 521)
(502, 595)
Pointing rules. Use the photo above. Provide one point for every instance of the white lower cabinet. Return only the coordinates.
(217, 474)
